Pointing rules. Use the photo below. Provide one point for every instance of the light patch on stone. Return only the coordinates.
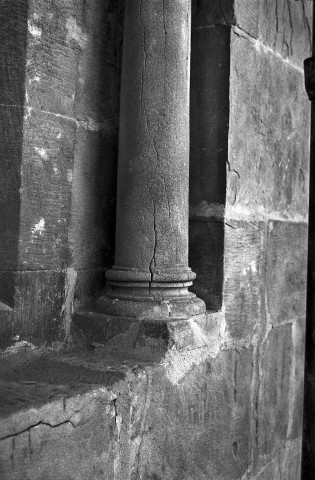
(39, 227)
(68, 306)
(207, 344)
(18, 347)
(94, 126)
(253, 266)
(35, 79)
(75, 32)
(259, 213)
(69, 175)
(34, 30)
(118, 420)
(42, 153)
(56, 171)
(259, 46)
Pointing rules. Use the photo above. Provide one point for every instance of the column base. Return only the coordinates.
(179, 308)
(130, 338)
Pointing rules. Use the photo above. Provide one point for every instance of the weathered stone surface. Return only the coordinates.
(274, 394)
(286, 270)
(124, 427)
(61, 115)
(37, 316)
(243, 290)
(285, 27)
(65, 423)
(268, 152)
(152, 196)
(297, 380)
(210, 408)
(48, 151)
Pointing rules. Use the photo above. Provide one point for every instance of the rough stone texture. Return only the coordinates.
(224, 399)
(271, 160)
(152, 196)
(309, 413)
(244, 285)
(286, 271)
(59, 99)
(94, 424)
(283, 27)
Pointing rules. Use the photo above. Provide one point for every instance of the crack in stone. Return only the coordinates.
(307, 25)
(145, 55)
(28, 429)
(167, 199)
(291, 25)
(232, 169)
(153, 260)
(277, 23)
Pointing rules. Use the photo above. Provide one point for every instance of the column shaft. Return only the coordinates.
(151, 256)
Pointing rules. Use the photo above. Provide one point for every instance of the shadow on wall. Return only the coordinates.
(209, 123)
(13, 38)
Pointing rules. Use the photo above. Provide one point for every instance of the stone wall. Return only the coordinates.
(59, 74)
(229, 407)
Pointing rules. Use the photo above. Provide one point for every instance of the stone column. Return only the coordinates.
(151, 274)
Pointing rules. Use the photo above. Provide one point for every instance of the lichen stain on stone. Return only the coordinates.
(75, 33)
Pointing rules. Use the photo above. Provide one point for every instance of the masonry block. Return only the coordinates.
(37, 316)
(285, 27)
(269, 164)
(274, 394)
(210, 407)
(59, 155)
(286, 270)
(46, 182)
(244, 278)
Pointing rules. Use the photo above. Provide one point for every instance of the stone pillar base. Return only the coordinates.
(144, 304)
(147, 339)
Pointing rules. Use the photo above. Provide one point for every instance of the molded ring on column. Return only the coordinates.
(121, 274)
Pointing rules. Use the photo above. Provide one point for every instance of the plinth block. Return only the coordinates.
(146, 339)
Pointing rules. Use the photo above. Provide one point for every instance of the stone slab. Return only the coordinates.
(274, 394)
(286, 270)
(268, 137)
(244, 278)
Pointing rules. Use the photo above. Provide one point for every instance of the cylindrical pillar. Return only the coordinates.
(151, 256)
